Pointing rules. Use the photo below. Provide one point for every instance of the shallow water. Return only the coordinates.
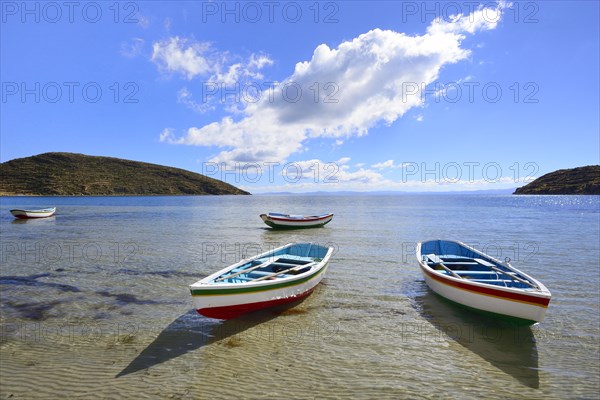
(95, 301)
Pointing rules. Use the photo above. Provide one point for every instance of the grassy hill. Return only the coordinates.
(582, 180)
(69, 174)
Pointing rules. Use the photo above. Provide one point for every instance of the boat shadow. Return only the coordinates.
(190, 332)
(508, 346)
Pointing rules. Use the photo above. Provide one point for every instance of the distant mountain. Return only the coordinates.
(582, 180)
(69, 174)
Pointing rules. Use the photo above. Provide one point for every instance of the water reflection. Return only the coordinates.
(511, 348)
(34, 221)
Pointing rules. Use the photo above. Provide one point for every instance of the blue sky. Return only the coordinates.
(308, 96)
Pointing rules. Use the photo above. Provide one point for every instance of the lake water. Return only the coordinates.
(95, 301)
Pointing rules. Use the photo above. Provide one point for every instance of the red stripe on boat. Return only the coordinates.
(234, 311)
(541, 301)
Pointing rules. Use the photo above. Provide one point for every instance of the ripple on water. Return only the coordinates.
(118, 321)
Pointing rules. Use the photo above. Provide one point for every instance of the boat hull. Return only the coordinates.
(529, 309)
(236, 310)
(527, 306)
(291, 223)
(31, 214)
(227, 301)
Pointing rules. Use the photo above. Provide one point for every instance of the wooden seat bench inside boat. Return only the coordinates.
(473, 269)
(272, 268)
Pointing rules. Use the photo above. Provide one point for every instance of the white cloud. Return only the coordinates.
(484, 18)
(184, 96)
(259, 62)
(360, 178)
(230, 76)
(341, 92)
(166, 135)
(367, 180)
(242, 71)
(318, 175)
(194, 59)
(384, 165)
(142, 20)
(318, 170)
(181, 55)
(329, 174)
(133, 48)
(377, 183)
(390, 164)
(198, 59)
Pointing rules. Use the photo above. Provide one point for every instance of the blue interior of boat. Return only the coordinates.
(289, 216)
(450, 258)
(447, 248)
(303, 250)
(292, 260)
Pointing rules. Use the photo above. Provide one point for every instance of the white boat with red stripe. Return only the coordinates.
(288, 221)
(476, 280)
(278, 277)
(28, 214)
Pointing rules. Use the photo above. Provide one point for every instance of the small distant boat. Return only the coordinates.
(283, 275)
(286, 221)
(469, 277)
(26, 214)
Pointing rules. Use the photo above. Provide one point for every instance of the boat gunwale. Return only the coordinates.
(310, 218)
(35, 211)
(250, 288)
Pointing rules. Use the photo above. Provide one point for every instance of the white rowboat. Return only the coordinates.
(283, 275)
(471, 278)
(287, 221)
(26, 214)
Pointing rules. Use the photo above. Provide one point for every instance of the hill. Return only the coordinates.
(69, 174)
(582, 180)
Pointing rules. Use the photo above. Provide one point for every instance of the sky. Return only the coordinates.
(294, 96)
